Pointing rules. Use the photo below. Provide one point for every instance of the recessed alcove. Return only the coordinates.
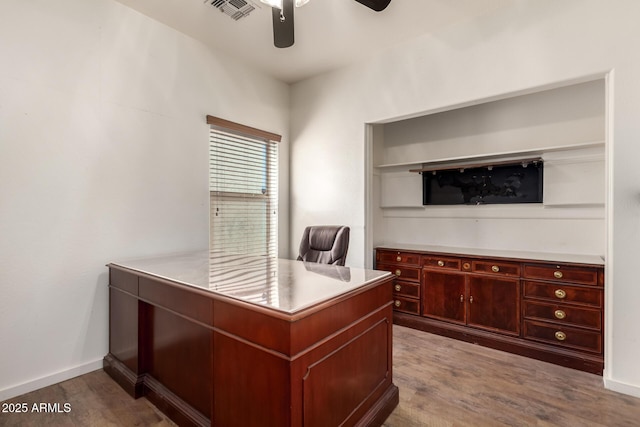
(564, 126)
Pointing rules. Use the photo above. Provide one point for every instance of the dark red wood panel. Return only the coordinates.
(443, 295)
(125, 280)
(251, 386)
(332, 318)
(177, 298)
(180, 357)
(494, 303)
(344, 379)
(123, 328)
(257, 327)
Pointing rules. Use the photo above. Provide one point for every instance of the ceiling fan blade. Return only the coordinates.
(283, 30)
(377, 5)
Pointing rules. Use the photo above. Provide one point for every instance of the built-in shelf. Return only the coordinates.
(491, 158)
(573, 177)
(489, 164)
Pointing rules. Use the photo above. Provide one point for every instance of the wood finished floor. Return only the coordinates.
(443, 383)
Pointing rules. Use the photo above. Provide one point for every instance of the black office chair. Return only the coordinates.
(325, 244)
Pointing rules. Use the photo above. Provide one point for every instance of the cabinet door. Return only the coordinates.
(443, 295)
(494, 304)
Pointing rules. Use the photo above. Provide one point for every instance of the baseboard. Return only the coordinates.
(620, 387)
(67, 374)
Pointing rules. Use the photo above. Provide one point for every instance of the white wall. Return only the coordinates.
(103, 156)
(525, 45)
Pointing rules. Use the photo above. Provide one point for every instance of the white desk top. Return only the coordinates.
(279, 284)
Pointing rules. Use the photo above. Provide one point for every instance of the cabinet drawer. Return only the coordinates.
(441, 262)
(397, 257)
(563, 314)
(563, 336)
(496, 267)
(561, 293)
(407, 289)
(559, 272)
(402, 272)
(407, 305)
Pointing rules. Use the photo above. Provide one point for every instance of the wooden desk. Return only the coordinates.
(232, 341)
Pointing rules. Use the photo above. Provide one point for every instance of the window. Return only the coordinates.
(243, 189)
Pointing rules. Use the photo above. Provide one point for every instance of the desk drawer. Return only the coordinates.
(445, 263)
(407, 305)
(559, 292)
(407, 289)
(402, 272)
(563, 314)
(559, 272)
(563, 336)
(496, 267)
(397, 257)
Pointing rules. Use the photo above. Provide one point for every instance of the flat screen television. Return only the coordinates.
(510, 183)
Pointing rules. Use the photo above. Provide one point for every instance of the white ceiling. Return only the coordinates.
(329, 33)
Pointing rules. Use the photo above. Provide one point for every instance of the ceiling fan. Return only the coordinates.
(282, 16)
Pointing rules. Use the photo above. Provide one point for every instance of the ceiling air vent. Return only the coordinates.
(236, 9)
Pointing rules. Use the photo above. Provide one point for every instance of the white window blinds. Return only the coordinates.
(243, 188)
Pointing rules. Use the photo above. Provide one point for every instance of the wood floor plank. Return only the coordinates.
(442, 382)
(445, 382)
(95, 399)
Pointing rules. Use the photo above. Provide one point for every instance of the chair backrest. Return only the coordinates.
(325, 244)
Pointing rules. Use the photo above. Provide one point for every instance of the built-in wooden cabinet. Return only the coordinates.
(547, 310)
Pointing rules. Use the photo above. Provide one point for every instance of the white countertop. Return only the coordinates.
(537, 256)
(280, 284)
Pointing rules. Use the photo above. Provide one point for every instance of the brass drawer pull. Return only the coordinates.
(560, 314)
(398, 273)
(398, 287)
(560, 293)
(471, 299)
(557, 274)
(461, 298)
(440, 263)
(495, 268)
(397, 303)
(398, 258)
(561, 336)
(466, 266)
